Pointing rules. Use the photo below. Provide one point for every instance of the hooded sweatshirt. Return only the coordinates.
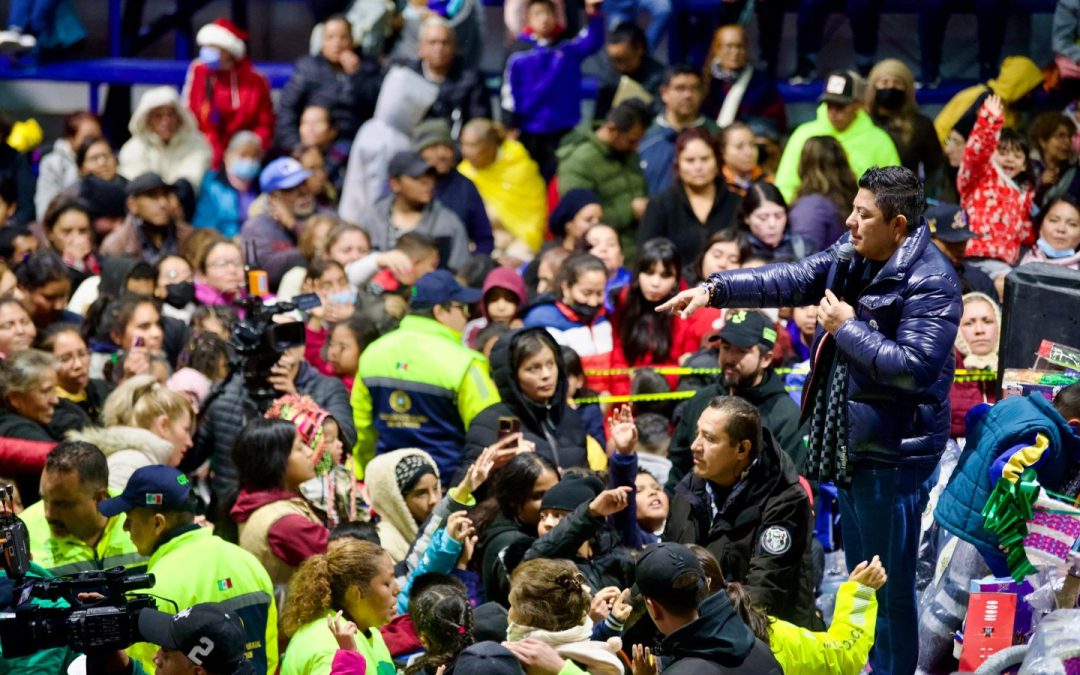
(126, 449)
(187, 154)
(555, 429)
(225, 102)
(1018, 76)
(403, 101)
(57, 172)
(514, 190)
(397, 527)
(963, 396)
(500, 277)
(716, 642)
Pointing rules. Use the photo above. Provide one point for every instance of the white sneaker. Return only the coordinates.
(27, 42)
(9, 37)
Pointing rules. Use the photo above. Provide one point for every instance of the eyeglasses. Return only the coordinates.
(225, 264)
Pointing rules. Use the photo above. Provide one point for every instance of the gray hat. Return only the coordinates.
(432, 132)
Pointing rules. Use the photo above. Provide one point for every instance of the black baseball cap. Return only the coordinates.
(156, 487)
(409, 164)
(659, 566)
(440, 287)
(842, 87)
(487, 658)
(208, 634)
(147, 182)
(746, 328)
(948, 222)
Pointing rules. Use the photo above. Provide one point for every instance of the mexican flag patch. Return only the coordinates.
(224, 584)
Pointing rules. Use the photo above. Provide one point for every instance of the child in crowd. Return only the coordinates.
(404, 489)
(654, 437)
(216, 319)
(504, 297)
(326, 279)
(542, 83)
(443, 618)
(603, 242)
(487, 336)
(995, 190)
(763, 216)
(348, 340)
(578, 319)
(393, 282)
(1059, 235)
(592, 416)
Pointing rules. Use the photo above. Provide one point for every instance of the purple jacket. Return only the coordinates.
(899, 347)
(542, 83)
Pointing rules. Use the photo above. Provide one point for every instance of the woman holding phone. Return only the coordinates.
(527, 366)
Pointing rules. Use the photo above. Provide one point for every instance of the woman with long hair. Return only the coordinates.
(125, 337)
(353, 579)
(698, 203)
(890, 100)
(823, 200)
(763, 217)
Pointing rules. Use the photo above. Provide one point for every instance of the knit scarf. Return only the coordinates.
(575, 644)
(828, 451)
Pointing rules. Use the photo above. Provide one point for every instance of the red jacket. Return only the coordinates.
(998, 209)
(963, 396)
(685, 339)
(227, 102)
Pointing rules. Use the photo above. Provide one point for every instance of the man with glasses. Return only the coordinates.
(418, 386)
(153, 228)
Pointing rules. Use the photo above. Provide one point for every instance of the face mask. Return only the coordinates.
(585, 312)
(180, 295)
(890, 99)
(211, 56)
(342, 298)
(244, 168)
(1054, 253)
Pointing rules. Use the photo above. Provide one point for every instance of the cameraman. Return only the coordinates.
(191, 565)
(204, 639)
(67, 533)
(230, 411)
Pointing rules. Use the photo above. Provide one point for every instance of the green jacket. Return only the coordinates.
(779, 414)
(419, 387)
(585, 162)
(311, 651)
(197, 566)
(865, 143)
(67, 555)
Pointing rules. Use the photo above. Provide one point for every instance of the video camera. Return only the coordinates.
(257, 341)
(108, 622)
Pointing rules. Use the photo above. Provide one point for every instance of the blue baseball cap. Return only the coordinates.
(440, 287)
(156, 487)
(284, 173)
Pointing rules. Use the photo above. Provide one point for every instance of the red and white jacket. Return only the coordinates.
(998, 208)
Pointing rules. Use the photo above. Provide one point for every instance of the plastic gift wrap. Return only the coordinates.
(1055, 647)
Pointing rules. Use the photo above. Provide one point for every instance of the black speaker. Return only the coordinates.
(1042, 302)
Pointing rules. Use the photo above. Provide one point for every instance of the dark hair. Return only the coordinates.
(261, 453)
(727, 235)
(84, 147)
(46, 339)
(757, 194)
(714, 577)
(415, 245)
(1044, 126)
(753, 616)
(549, 3)
(647, 381)
(317, 268)
(109, 315)
(40, 269)
(629, 114)
(8, 235)
(72, 121)
(653, 430)
(85, 459)
(679, 70)
(205, 353)
(576, 266)
(642, 329)
(513, 484)
(475, 270)
(688, 595)
(362, 530)
(141, 271)
(61, 205)
(1013, 139)
(443, 617)
(572, 364)
(696, 134)
(743, 421)
(9, 192)
(1067, 401)
(362, 328)
(1062, 198)
(628, 32)
(897, 192)
(212, 242)
(223, 313)
(492, 330)
(529, 344)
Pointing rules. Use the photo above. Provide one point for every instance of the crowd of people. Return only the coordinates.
(421, 462)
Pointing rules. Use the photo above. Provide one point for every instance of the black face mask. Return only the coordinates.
(180, 295)
(890, 99)
(585, 312)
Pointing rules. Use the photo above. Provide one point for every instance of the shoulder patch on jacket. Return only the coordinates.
(775, 540)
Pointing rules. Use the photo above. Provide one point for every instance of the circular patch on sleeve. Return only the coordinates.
(775, 540)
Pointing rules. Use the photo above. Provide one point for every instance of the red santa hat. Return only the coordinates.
(225, 35)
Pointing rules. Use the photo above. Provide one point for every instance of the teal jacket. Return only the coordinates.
(865, 143)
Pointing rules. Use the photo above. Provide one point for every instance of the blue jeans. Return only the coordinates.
(879, 515)
(659, 12)
(32, 16)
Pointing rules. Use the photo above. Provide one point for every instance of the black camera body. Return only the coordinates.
(107, 624)
(258, 342)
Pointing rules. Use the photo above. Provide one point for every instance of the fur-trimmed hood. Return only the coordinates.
(126, 449)
(397, 527)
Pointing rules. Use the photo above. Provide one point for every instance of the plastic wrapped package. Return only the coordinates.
(1055, 647)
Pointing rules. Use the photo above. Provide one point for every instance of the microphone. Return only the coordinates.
(844, 254)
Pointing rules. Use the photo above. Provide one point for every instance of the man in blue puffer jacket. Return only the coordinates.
(891, 329)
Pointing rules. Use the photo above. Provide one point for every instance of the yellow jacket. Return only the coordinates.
(842, 650)
(1018, 76)
(513, 189)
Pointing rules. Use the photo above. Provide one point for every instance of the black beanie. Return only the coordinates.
(571, 492)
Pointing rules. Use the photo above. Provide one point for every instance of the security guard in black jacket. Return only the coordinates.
(744, 503)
